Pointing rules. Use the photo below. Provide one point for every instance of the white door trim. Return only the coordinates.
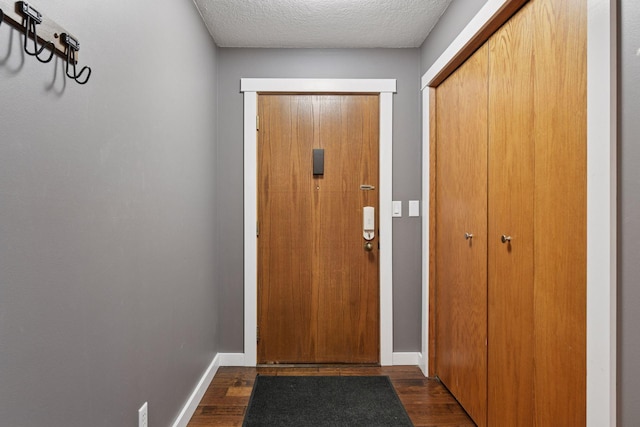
(251, 87)
(601, 200)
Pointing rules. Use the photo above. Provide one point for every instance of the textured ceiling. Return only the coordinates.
(320, 23)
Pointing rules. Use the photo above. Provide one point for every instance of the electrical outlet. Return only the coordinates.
(143, 416)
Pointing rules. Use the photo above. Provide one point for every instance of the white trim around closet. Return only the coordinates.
(601, 212)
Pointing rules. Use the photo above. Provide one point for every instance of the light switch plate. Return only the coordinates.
(414, 207)
(397, 209)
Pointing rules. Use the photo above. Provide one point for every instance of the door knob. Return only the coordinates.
(468, 236)
(368, 247)
(505, 238)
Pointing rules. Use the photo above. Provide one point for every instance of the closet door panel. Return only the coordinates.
(461, 207)
(510, 263)
(560, 212)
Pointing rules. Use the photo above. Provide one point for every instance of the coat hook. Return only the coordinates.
(33, 17)
(73, 46)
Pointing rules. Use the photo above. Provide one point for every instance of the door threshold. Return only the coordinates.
(318, 365)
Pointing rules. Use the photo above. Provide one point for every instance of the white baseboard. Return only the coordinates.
(192, 403)
(232, 359)
(423, 364)
(406, 358)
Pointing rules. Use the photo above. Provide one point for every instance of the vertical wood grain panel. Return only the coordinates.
(285, 285)
(433, 304)
(560, 212)
(348, 325)
(511, 183)
(461, 206)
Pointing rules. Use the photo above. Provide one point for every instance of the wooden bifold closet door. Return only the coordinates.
(510, 310)
(461, 245)
(511, 184)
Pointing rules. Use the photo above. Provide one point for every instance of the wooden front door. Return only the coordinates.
(318, 286)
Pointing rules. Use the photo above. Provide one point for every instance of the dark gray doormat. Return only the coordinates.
(324, 401)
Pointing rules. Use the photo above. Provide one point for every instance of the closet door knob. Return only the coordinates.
(505, 238)
(468, 236)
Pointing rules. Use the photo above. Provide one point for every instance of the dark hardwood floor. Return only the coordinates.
(427, 402)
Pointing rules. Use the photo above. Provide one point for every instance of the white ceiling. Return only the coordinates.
(320, 23)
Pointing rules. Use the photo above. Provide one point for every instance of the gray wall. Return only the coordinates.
(453, 20)
(629, 216)
(400, 64)
(107, 256)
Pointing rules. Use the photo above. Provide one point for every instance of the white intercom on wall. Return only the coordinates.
(368, 222)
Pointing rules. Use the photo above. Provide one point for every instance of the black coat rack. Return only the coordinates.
(45, 37)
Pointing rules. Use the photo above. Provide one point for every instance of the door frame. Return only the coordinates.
(385, 88)
(601, 187)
